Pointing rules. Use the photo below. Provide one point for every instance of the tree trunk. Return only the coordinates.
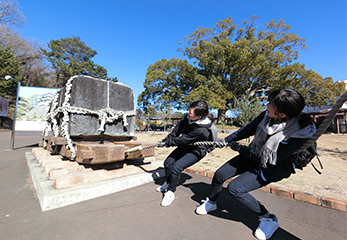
(221, 115)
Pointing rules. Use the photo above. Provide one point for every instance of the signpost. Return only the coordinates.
(8, 77)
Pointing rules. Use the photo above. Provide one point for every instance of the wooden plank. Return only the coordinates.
(99, 153)
(50, 142)
(149, 152)
(60, 141)
(65, 152)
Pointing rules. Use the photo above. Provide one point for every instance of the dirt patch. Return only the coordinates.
(333, 155)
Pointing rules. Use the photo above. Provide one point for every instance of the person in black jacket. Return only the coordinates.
(278, 133)
(194, 126)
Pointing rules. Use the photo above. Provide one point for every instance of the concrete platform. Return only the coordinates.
(52, 198)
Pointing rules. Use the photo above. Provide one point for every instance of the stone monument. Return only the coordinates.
(90, 117)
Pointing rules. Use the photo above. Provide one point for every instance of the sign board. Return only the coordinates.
(32, 106)
(3, 107)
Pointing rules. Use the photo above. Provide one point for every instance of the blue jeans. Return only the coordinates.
(238, 188)
(175, 163)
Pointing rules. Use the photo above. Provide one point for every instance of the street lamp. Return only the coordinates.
(8, 77)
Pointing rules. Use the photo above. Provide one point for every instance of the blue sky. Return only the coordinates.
(131, 35)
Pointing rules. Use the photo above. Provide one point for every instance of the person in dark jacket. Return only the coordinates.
(194, 126)
(278, 133)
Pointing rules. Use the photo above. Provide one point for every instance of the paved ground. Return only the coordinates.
(136, 213)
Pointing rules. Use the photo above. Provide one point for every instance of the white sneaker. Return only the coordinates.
(267, 227)
(168, 198)
(206, 207)
(162, 188)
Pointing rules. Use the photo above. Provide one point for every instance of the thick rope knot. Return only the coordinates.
(105, 115)
(108, 115)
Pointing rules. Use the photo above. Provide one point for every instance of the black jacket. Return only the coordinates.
(284, 166)
(184, 134)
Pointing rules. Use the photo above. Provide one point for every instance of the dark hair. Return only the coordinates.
(211, 117)
(201, 108)
(291, 103)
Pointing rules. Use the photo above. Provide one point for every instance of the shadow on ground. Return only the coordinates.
(230, 209)
(26, 146)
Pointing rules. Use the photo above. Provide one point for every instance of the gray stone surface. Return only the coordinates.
(96, 94)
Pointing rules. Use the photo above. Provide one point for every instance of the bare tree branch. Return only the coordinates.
(10, 14)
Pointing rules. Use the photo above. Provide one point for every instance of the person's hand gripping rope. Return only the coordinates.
(220, 143)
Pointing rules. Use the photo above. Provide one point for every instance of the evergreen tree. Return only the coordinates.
(226, 62)
(8, 66)
(70, 57)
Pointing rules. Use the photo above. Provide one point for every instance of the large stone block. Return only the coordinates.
(95, 107)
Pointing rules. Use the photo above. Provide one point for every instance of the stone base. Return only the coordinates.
(60, 183)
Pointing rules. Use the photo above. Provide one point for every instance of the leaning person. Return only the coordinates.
(278, 133)
(194, 126)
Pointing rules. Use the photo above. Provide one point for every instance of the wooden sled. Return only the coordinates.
(96, 152)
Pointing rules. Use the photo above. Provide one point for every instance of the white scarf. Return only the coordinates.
(202, 121)
(267, 138)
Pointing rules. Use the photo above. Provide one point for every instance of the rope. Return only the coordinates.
(204, 143)
(321, 129)
(326, 122)
(210, 143)
(105, 115)
(139, 148)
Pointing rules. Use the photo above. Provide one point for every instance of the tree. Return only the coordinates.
(34, 71)
(8, 66)
(164, 113)
(247, 108)
(242, 60)
(167, 82)
(10, 14)
(71, 56)
(225, 62)
(316, 90)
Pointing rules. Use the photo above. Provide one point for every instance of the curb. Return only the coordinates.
(321, 201)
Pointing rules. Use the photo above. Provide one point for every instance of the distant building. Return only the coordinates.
(338, 125)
